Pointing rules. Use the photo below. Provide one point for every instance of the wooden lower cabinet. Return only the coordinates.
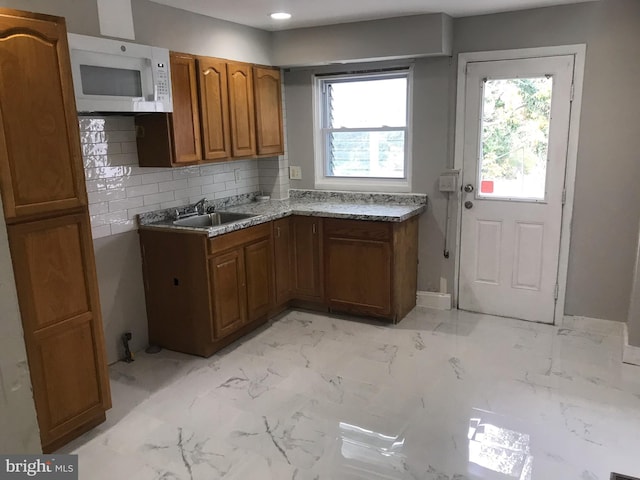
(371, 267)
(306, 235)
(58, 295)
(206, 292)
(228, 292)
(282, 259)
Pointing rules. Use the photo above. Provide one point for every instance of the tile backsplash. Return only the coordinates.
(118, 189)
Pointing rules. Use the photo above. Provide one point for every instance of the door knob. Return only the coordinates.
(468, 188)
(468, 204)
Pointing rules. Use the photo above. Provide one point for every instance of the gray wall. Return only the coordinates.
(431, 147)
(607, 198)
(183, 31)
(401, 37)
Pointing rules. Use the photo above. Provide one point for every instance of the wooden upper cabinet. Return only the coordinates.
(185, 119)
(41, 166)
(214, 108)
(241, 109)
(268, 99)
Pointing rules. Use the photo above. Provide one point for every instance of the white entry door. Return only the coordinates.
(517, 116)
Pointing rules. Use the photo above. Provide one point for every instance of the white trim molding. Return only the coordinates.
(630, 353)
(439, 301)
(579, 53)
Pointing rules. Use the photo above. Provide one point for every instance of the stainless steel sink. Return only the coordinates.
(211, 219)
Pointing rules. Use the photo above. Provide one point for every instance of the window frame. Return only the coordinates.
(320, 100)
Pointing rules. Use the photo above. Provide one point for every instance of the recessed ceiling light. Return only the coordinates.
(281, 16)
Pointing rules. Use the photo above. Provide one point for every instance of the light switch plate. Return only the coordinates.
(295, 173)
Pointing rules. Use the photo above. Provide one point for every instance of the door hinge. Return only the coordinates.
(564, 196)
(573, 92)
(555, 291)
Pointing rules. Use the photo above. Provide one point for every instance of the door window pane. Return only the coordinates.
(515, 138)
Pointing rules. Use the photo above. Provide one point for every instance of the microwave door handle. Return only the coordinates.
(155, 93)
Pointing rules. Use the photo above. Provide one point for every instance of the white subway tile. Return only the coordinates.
(87, 124)
(94, 185)
(100, 148)
(132, 212)
(250, 189)
(226, 193)
(123, 123)
(142, 190)
(108, 218)
(186, 172)
(129, 147)
(172, 185)
(158, 198)
(175, 203)
(93, 137)
(214, 187)
(157, 177)
(101, 231)
(125, 204)
(125, 226)
(199, 181)
(212, 169)
(105, 195)
(137, 170)
(224, 177)
(98, 208)
(188, 192)
(116, 159)
(121, 136)
(103, 172)
(124, 182)
(94, 161)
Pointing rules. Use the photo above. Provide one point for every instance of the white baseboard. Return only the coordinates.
(439, 301)
(630, 353)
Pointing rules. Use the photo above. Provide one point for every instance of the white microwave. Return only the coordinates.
(114, 76)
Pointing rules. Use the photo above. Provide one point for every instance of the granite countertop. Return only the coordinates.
(355, 206)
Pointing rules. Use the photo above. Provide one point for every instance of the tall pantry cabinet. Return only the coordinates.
(45, 206)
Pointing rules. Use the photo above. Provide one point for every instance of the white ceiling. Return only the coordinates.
(306, 13)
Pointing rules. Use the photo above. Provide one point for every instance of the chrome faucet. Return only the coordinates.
(200, 206)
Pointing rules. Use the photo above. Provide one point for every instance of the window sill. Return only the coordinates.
(374, 185)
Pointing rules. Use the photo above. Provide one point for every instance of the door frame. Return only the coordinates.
(579, 52)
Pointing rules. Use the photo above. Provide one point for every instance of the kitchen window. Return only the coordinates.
(362, 131)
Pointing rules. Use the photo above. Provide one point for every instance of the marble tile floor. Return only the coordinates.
(441, 396)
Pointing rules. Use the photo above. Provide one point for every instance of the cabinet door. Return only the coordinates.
(241, 108)
(186, 117)
(358, 275)
(228, 292)
(214, 108)
(268, 98)
(40, 161)
(259, 275)
(307, 274)
(58, 295)
(282, 259)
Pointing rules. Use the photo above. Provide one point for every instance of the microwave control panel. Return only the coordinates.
(161, 81)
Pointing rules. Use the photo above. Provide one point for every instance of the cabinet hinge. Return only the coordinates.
(564, 196)
(555, 291)
(573, 92)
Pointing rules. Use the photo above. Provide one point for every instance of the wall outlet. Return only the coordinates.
(237, 174)
(295, 173)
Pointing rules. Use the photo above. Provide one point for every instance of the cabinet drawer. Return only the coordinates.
(234, 239)
(357, 229)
